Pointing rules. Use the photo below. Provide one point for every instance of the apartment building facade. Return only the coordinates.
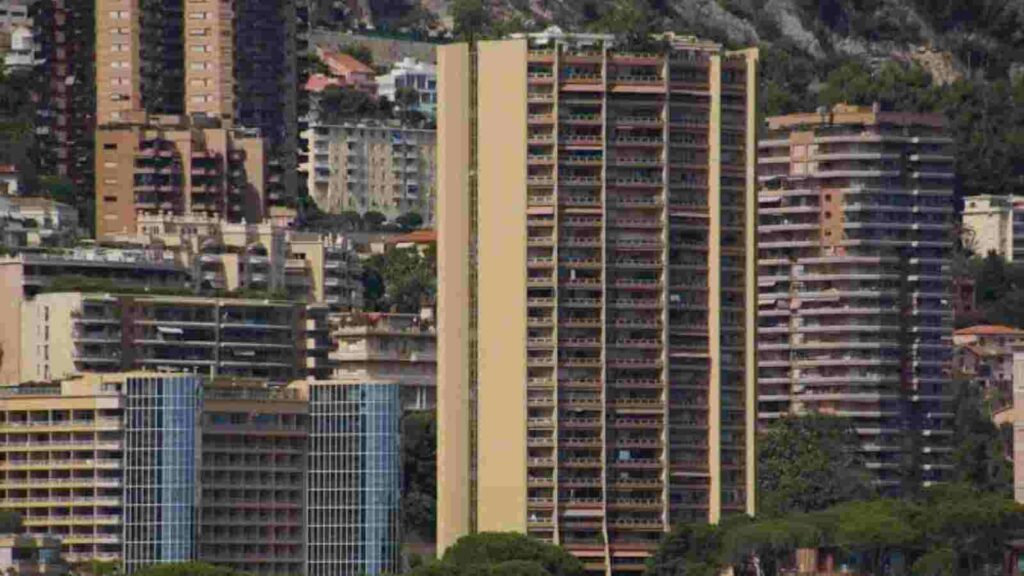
(995, 224)
(412, 75)
(160, 165)
(366, 167)
(64, 35)
(225, 256)
(355, 483)
(144, 468)
(854, 302)
(67, 333)
(378, 347)
(235, 64)
(596, 310)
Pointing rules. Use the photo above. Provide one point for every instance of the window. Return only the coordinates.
(110, 146)
(112, 199)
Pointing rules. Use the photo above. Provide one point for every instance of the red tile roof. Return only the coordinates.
(319, 83)
(989, 330)
(415, 237)
(345, 63)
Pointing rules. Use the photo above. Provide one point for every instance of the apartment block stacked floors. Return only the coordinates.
(622, 182)
(231, 69)
(145, 468)
(855, 291)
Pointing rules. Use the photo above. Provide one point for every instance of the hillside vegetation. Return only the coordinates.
(962, 58)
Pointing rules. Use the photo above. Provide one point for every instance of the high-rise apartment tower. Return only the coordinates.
(235, 62)
(855, 308)
(597, 301)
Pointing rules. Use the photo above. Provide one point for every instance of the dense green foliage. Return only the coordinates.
(951, 529)
(187, 569)
(419, 475)
(502, 554)
(10, 522)
(999, 291)
(980, 455)
(808, 463)
(400, 279)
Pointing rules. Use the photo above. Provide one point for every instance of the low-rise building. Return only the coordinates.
(995, 224)
(30, 272)
(42, 222)
(348, 71)
(10, 180)
(411, 74)
(149, 164)
(372, 168)
(399, 348)
(984, 354)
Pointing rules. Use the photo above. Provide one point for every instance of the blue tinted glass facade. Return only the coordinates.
(354, 480)
(161, 415)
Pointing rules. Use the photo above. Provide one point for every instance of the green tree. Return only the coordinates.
(494, 548)
(688, 550)
(470, 19)
(419, 472)
(502, 554)
(400, 279)
(631, 21)
(966, 527)
(979, 455)
(809, 463)
(771, 540)
(874, 529)
(10, 522)
(409, 221)
(337, 104)
(186, 569)
(359, 51)
(373, 220)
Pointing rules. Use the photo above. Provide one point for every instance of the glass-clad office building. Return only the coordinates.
(160, 448)
(354, 487)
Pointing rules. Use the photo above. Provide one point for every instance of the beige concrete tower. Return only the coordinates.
(118, 59)
(209, 61)
(597, 290)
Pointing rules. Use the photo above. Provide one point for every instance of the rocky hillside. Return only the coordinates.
(963, 58)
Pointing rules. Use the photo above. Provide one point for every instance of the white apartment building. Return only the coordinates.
(372, 168)
(995, 224)
(411, 73)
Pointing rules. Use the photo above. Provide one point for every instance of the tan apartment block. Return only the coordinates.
(209, 59)
(176, 165)
(221, 255)
(61, 462)
(235, 63)
(596, 316)
(69, 464)
(67, 333)
(252, 477)
(855, 293)
(118, 60)
(398, 348)
(372, 168)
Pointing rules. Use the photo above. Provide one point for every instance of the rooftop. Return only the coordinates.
(851, 115)
(344, 63)
(989, 330)
(415, 237)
